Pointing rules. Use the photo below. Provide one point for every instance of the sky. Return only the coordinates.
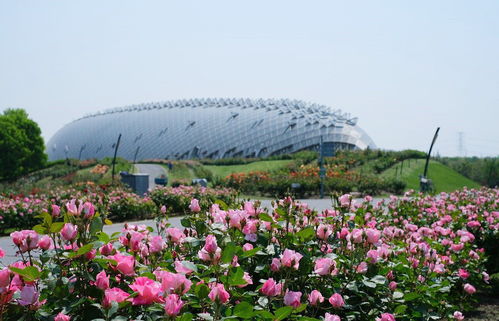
(403, 67)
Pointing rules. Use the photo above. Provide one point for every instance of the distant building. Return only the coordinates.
(209, 128)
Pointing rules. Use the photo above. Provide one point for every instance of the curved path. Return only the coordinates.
(153, 170)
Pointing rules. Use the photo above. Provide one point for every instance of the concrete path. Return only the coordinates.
(10, 250)
(153, 171)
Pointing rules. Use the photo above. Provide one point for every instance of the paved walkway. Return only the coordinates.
(153, 171)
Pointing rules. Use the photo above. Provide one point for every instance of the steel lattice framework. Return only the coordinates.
(208, 128)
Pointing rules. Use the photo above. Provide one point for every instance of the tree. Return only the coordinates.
(22, 149)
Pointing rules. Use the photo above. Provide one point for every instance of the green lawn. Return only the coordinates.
(444, 178)
(224, 170)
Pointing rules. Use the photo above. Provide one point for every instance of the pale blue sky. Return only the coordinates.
(402, 67)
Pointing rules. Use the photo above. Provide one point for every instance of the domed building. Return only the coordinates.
(208, 128)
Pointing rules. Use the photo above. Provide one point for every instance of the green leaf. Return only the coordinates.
(243, 310)
(265, 314)
(190, 265)
(369, 284)
(398, 295)
(202, 291)
(379, 279)
(400, 309)
(103, 237)
(96, 225)
(236, 276)
(186, 317)
(411, 296)
(306, 234)
(185, 222)
(250, 253)
(40, 229)
(301, 308)
(229, 252)
(265, 217)
(29, 273)
(108, 222)
(283, 313)
(223, 206)
(84, 249)
(56, 227)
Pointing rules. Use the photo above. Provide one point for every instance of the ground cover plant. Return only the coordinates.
(410, 258)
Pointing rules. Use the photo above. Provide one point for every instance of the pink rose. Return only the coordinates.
(336, 300)
(102, 280)
(88, 210)
(468, 288)
(125, 263)
(55, 210)
(210, 244)
(173, 283)
(373, 235)
(324, 266)
(291, 258)
(148, 291)
(218, 293)
(69, 232)
(271, 288)
(331, 317)
(463, 274)
(315, 298)
(174, 235)
(4, 278)
(392, 286)
(458, 316)
(173, 305)
(292, 299)
(29, 295)
(2, 253)
(386, 317)
(275, 265)
(345, 200)
(45, 242)
(362, 268)
(114, 295)
(156, 244)
(181, 268)
(195, 205)
(62, 317)
(323, 232)
(247, 247)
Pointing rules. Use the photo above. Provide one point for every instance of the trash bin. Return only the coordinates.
(200, 181)
(139, 183)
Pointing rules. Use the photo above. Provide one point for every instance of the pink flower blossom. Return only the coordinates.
(45, 242)
(125, 263)
(291, 258)
(362, 268)
(315, 298)
(463, 274)
(29, 296)
(372, 235)
(102, 280)
(69, 232)
(468, 288)
(195, 205)
(4, 278)
(292, 298)
(218, 293)
(173, 305)
(114, 295)
(148, 291)
(56, 210)
(156, 244)
(2, 253)
(181, 268)
(336, 300)
(62, 317)
(345, 200)
(271, 288)
(173, 282)
(386, 317)
(392, 286)
(323, 232)
(458, 315)
(247, 247)
(324, 266)
(331, 317)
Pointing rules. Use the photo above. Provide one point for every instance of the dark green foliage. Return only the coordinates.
(482, 170)
(21, 145)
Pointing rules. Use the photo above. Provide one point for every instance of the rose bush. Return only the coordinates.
(409, 258)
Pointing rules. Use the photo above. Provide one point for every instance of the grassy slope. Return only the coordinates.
(179, 172)
(444, 178)
(224, 170)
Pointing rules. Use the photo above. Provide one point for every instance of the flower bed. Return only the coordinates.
(177, 199)
(413, 258)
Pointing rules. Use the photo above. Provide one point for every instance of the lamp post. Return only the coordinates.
(114, 158)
